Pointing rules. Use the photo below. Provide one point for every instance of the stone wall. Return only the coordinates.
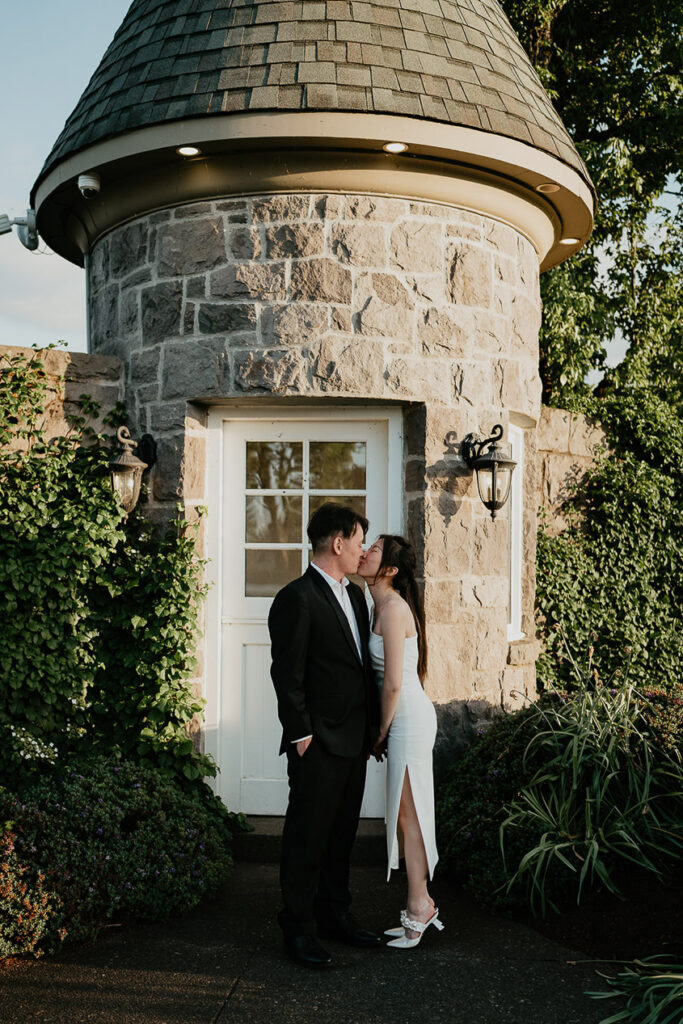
(354, 298)
(567, 445)
(69, 376)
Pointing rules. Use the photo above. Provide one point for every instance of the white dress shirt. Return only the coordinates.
(339, 589)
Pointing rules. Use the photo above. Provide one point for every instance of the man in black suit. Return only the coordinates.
(328, 707)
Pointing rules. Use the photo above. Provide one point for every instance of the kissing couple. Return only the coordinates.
(349, 685)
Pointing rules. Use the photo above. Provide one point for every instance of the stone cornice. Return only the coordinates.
(322, 152)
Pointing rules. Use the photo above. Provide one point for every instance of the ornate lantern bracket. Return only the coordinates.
(126, 469)
(493, 467)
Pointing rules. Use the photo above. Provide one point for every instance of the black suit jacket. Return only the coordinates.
(324, 688)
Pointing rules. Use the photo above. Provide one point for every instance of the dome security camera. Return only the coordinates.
(89, 185)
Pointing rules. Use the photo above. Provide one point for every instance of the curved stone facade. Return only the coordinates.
(354, 298)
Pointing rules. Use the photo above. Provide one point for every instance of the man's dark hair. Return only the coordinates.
(330, 520)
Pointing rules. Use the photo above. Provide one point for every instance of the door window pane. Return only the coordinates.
(356, 502)
(266, 572)
(273, 519)
(272, 465)
(337, 465)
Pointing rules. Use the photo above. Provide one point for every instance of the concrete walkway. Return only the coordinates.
(223, 964)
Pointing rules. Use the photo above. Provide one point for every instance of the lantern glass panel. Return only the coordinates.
(126, 483)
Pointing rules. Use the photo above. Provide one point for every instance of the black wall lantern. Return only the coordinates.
(493, 467)
(125, 469)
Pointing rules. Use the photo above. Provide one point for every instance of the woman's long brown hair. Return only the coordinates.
(399, 553)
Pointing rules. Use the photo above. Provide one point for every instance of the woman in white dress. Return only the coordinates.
(398, 651)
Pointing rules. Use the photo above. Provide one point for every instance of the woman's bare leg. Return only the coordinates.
(420, 905)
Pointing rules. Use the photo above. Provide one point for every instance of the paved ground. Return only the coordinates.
(223, 964)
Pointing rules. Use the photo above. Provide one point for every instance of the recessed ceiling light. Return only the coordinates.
(394, 147)
(188, 150)
(547, 187)
(569, 241)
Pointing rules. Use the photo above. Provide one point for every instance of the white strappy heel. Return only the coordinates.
(415, 926)
(396, 933)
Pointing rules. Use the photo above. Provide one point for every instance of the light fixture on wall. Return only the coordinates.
(188, 151)
(126, 469)
(492, 466)
(394, 147)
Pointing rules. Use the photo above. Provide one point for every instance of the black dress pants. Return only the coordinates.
(325, 796)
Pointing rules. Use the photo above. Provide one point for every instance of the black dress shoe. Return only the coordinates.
(349, 931)
(306, 950)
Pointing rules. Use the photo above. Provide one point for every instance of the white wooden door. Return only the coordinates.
(268, 474)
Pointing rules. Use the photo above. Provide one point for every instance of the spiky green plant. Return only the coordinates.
(653, 989)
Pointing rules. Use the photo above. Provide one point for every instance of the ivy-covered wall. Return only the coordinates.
(70, 375)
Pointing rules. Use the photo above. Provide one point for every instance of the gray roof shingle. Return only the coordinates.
(457, 62)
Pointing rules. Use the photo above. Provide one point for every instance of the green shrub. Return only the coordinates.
(99, 613)
(559, 796)
(603, 794)
(616, 572)
(470, 804)
(104, 840)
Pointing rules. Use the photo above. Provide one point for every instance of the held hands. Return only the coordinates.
(379, 747)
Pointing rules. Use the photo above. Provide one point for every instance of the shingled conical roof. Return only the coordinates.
(454, 61)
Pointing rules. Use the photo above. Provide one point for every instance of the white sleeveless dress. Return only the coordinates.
(411, 740)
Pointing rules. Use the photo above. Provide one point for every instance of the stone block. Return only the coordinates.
(485, 591)
(385, 307)
(244, 242)
(294, 324)
(514, 686)
(193, 468)
(490, 639)
(194, 371)
(340, 319)
(490, 544)
(417, 246)
(104, 316)
(374, 208)
(98, 265)
(552, 433)
(358, 245)
(469, 275)
(226, 317)
(586, 436)
(440, 334)
(130, 315)
(414, 426)
(502, 238)
(275, 370)
(260, 281)
(441, 599)
(561, 476)
(295, 241)
(414, 475)
(166, 474)
(167, 418)
(347, 365)
(143, 367)
(428, 288)
(491, 333)
(84, 367)
(189, 247)
(329, 208)
(419, 379)
(128, 248)
(524, 652)
(280, 207)
(161, 306)
(321, 280)
(473, 383)
(195, 287)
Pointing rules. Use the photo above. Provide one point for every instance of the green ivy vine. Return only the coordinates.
(99, 613)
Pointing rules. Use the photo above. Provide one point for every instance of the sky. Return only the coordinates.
(51, 49)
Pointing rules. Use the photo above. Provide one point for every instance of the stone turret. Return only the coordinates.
(293, 259)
